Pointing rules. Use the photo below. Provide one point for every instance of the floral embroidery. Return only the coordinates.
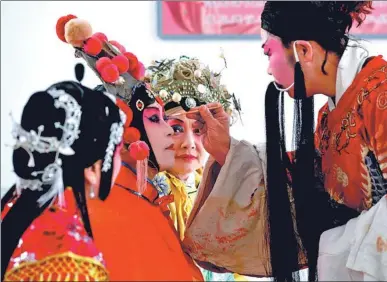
(342, 177)
(346, 124)
(356, 143)
(24, 257)
(160, 181)
(382, 101)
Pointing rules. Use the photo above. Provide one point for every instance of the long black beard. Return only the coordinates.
(303, 174)
(315, 211)
(283, 234)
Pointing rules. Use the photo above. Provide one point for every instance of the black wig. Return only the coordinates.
(99, 112)
(298, 216)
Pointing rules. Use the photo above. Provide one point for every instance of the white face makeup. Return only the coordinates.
(160, 136)
(279, 66)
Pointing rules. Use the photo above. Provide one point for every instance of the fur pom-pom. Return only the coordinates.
(101, 36)
(139, 150)
(101, 63)
(77, 31)
(139, 72)
(110, 73)
(121, 62)
(60, 26)
(118, 46)
(133, 61)
(93, 46)
(131, 135)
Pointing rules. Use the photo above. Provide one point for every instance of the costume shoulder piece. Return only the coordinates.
(188, 83)
(56, 247)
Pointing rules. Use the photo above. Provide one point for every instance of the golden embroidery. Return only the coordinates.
(382, 101)
(346, 124)
(67, 266)
(342, 177)
(326, 133)
(362, 95)
(364, 92)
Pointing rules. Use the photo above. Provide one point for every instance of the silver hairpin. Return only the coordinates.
(32, 141)
(72, 121)
(116, 132)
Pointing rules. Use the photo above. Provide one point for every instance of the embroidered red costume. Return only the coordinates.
(149, 248)
(352, 140)
(56, 247)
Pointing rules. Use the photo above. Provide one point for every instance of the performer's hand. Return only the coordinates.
(214, 127)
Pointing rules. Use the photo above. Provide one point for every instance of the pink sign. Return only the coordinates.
(237, 19)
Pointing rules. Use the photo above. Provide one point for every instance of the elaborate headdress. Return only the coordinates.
(118, 69)
(188, 83)
(120, 72)
(63, 130)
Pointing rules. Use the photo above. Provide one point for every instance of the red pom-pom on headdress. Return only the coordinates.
(139, 150)
(136, 73)
(78, 33)
(101, 36)
(131, 135)
(141, 71)
(133, 61)
(122, 63)
(102, 62)
(92, 46)
(118, 46)
(60, 26)
(110, 73)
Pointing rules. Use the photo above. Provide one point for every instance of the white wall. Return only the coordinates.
(33, 57)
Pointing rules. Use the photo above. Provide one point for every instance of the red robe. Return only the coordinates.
(56, 247)
(137, 236)
(352, 140)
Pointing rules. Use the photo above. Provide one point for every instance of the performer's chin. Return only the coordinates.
(291, 92)
(289, 88)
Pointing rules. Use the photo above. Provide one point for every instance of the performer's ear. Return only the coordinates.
(303, 51)
(93, 177)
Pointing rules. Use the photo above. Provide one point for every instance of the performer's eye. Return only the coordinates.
(165, 118)
(177, 128)
(154, 118)
(196, 131)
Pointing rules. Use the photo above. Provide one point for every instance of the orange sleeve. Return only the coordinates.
(375, 123)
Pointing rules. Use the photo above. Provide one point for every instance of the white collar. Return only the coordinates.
(350, 65)
(190, 182)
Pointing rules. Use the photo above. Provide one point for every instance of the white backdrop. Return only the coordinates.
(32, 58)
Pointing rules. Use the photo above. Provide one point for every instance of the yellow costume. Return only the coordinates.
(184, 194)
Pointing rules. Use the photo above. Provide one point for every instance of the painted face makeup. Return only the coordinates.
(189, 150)
(279, 66)
(160, 135)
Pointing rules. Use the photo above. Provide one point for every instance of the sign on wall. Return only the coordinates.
(238, 20)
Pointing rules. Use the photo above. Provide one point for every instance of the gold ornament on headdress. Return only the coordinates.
(171, 79)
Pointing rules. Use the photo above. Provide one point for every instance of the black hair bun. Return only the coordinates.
(38, 111)
(343, 13)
